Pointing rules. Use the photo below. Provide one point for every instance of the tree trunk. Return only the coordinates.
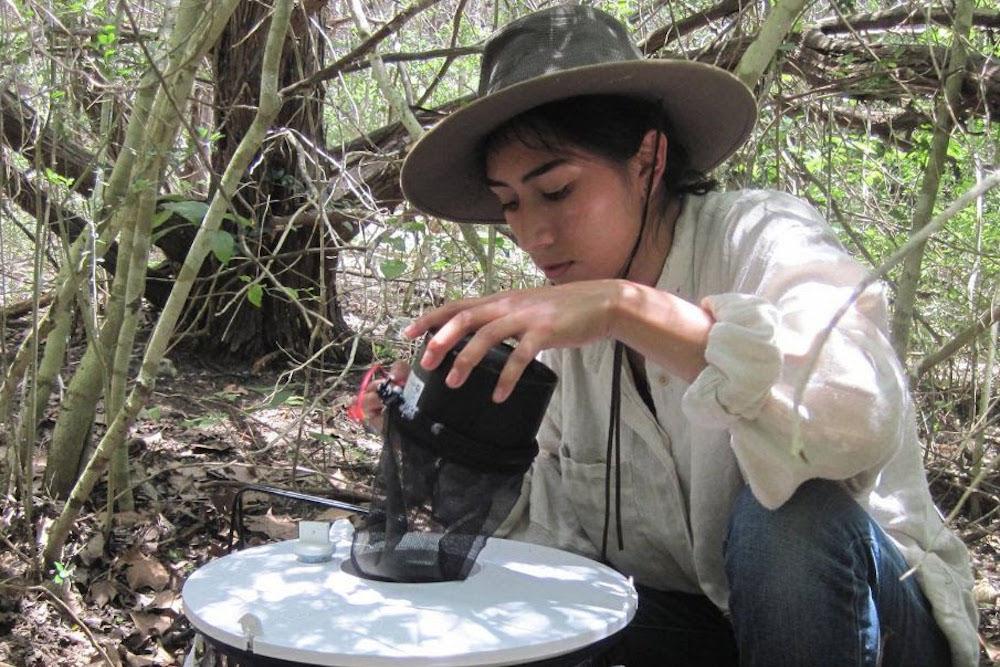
(114, 438)
(906, 290)
(154, 127)
(764, 47)
(288, 303)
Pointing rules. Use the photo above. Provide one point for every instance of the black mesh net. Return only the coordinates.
(450, 471)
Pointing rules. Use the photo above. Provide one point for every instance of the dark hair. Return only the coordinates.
(609, 126)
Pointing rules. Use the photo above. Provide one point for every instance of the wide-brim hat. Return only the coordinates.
(563, 52)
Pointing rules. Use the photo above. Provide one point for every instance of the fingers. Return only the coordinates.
(485, 338)
(371, 402)
(490, 320)
(436, 318)
(465, 321)
(519, 360)
(473, 352)
(399, 372)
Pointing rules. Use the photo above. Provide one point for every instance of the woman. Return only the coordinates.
(762, 524)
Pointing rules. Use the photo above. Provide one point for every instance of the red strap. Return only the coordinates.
(356, 412)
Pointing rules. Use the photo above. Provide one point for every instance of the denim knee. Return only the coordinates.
(817, 582)
(820, 509)
(783, 553)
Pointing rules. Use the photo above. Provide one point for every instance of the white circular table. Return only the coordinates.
(521, 603)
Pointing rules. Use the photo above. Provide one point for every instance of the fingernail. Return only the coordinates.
(500, 395)
(453, 378)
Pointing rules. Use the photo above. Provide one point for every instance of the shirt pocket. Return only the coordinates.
(655, 539)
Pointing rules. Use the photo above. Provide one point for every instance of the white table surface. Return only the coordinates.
(522, 603)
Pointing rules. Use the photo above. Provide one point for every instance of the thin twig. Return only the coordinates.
(76, 619)
(361, 49)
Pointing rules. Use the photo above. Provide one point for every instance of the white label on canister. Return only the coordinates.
(411, 395)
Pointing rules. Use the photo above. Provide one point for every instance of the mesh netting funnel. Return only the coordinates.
(450, 470)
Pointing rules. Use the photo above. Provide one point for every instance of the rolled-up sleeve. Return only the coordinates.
(803, 393)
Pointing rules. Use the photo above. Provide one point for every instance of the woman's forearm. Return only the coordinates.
(662, 327)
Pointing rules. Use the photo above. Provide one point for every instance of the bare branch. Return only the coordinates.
(450, 53)
(663, 36)
(900, 16)
(982, 322)
(361, 49)
(19, 122)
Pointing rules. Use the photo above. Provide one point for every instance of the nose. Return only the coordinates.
(533, 232)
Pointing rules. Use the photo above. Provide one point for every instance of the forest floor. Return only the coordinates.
(208, 430)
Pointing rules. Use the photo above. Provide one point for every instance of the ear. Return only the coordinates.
(652, 154)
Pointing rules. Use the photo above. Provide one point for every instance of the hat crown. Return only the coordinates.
(552, 40)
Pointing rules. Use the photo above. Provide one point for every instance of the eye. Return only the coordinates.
(556, 195)
(508, 206)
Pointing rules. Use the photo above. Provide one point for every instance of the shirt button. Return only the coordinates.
(663, 380)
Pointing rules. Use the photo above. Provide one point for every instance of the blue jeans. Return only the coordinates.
(814, 583)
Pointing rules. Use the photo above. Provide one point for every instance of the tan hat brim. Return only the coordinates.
(710, 110)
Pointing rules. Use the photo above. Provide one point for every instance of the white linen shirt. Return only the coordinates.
(773, 275)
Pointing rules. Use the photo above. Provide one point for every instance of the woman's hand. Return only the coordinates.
(569, 315)
(371, 402)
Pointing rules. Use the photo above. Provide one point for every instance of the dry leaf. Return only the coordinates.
(213, 446)
(150, 624)
(145, 571)
(134, 660)
(126, 519)
(163, 656)
(103, 592)
(332, 514)
(142, 601)
(243, 474)
(151, 439)
(110, 649)
(985, 593)
(166, 599)
(93, 550)
(275, 527)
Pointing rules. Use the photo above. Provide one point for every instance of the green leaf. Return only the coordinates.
(292, 293)
(62, 573)
(223, 245)
(152, 413)
(192, 211)
(255, 295)
(205, 421)
(392, 268)
(280, 398)
(57, 179)
(160, 217)
(106, 35)
(239, 220)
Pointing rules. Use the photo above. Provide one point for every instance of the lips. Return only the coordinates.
(553, 271)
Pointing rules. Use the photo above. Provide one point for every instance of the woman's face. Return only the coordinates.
(576, 214)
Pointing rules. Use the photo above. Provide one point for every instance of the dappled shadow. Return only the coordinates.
(525, 602)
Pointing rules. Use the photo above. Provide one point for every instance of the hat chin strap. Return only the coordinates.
(614, 423)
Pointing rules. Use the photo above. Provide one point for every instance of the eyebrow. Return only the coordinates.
(534, 173)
